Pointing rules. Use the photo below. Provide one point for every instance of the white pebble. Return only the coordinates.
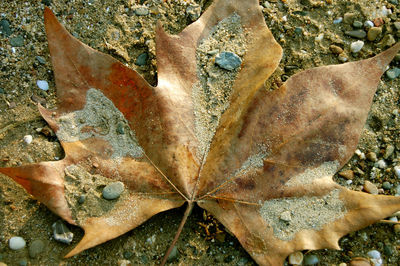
(355, 47)
(368, 24)
(338, 20)
(43, 85)
(349, 182)
(360, 154)
(16, 242)
(319, 37)
(375, 256)
(28, 139)
(381, 164)
(397, 170)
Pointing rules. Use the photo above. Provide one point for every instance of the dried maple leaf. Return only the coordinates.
(261, 162)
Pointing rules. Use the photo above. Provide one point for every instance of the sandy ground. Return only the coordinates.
(113, 27)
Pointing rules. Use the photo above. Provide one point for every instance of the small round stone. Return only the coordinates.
(373, 33)
(28, 139)
(386, 185)
(311, 260)
(142, 11)
(35, 248)
(228, 60)
(43, 85)
(393, 73)
(81, 199)
(141, 60)
(355, 47)
(357, 24)
(397, 171)
(113, 190)
(368, 24)
(16, 242)
(296, 258)
(370, 188)
(17, 41)
(374, 254)
(335, 49)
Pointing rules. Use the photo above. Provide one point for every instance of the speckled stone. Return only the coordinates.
(17, 41)
(113, 190)
(35, 248)
(228, 60)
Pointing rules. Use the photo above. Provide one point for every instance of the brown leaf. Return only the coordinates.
(260, 161)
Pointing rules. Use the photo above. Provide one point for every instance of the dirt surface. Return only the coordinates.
(306, 31)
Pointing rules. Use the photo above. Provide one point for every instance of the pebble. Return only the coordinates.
(35, 248)
(359, 261)
(388, 250)
(349, 18)
(386, 185)
(381, 164)
(370, 188)
(81, 199)
(335, 49)
(355, 47)
(387, 41)
(389, 150)
(286, 216)
(393, 73)
(17, 41)
(23, 262)
(174, 254)
(357, 24)
(228, 60)
(193, 12)
(113, 190)
(142, 11)
(348, 174)
(61, 232)
(337, 20)
(128, 254)
(397, 228)
(375, 256)
(28, 139)
(368, 24)
(124, 263)
(16, 242)
(141, 60)
(359, 34)
(397, 25)
(311, 260)
(43, 85)
(296, 258)
(397, 171)
(5, 27)
(373, 33)
(41, 60)
(372, 156)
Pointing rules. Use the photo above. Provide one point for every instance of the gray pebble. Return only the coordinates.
(23, 262)
(16, 242)
(228, 60)
(141, 60)
(389, 151)
(355, 47)
(357, 24)
(142, 11)
(386, 185)
(61, 232)
(41, 60)
(113, 190)
(120, 129)
(81, 199)
(359, 34)
(397, 25)
(393, 73)
(311, 260)
(17, 41)
(394, 2)
(373, 33)
(298, 30)
(128, 254)
(5, 27)
(35, 248)
(173, 255)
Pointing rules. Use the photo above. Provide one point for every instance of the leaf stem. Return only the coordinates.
(185, 216)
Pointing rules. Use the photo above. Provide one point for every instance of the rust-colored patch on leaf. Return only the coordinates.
(260, 161)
